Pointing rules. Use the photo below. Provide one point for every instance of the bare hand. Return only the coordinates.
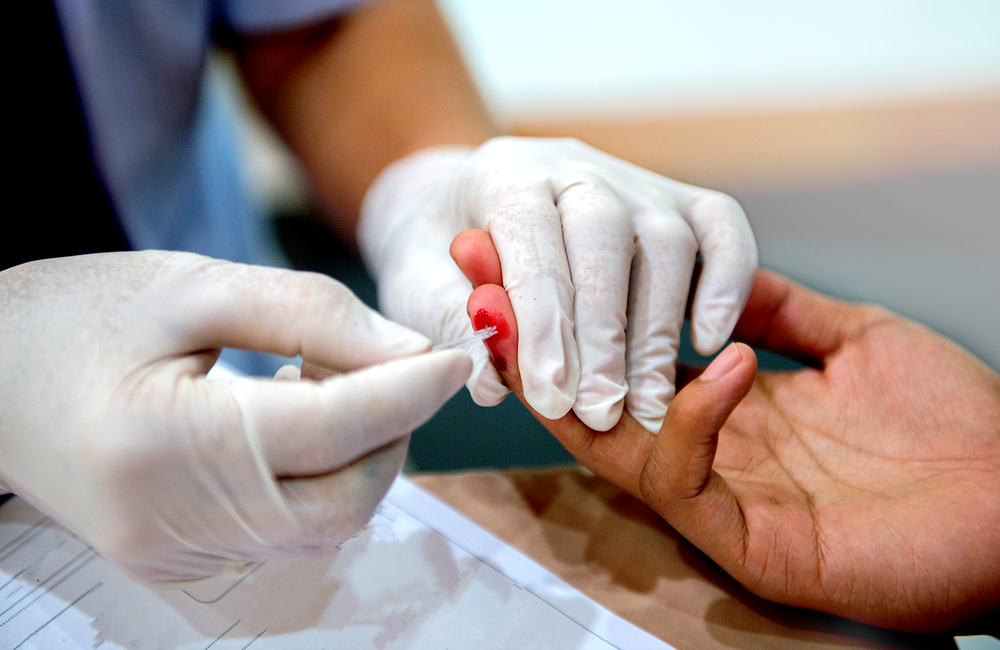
(868, 488)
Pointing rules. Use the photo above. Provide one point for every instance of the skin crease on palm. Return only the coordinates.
(866, 485)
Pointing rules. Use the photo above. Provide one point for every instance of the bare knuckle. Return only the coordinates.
(651, 489)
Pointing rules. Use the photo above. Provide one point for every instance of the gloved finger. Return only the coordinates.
(600, 244)
(304, 428)
(617, 455)
(661, 279)
(729, 251)
(476, 256)
(333, 507)
(526, 229)
(278, 311)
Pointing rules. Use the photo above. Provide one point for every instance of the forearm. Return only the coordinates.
(352, 95)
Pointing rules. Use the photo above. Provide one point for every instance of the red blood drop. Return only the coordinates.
(483, 319)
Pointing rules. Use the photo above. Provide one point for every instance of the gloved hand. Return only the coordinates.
(108, 424)
(597, 257)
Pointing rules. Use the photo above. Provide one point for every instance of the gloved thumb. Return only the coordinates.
(306, 428)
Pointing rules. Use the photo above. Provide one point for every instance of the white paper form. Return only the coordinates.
(407, 581)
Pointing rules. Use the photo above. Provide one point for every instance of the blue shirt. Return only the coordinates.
(163, 139)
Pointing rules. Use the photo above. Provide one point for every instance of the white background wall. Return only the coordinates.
(539, 58)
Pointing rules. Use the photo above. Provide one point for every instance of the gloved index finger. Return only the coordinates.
(527, 231)
(306, 428)
(277, 311)
(600, 246)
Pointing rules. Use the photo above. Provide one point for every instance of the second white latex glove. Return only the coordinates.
(108, 424)
(597, 257)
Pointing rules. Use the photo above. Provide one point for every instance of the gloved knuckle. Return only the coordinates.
(512, 206)
(313, 297)
(567, 143)
(336, 297)
(308, 288)
(500, 155)
(721, 204)
(672, 233)
(598, 205)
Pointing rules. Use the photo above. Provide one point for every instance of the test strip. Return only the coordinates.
(466, 341)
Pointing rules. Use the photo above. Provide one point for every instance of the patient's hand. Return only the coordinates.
(868, 488)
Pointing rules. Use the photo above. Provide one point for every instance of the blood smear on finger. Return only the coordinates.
(485, 319)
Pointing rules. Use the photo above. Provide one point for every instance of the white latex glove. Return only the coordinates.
(597, 257)
(108, 424)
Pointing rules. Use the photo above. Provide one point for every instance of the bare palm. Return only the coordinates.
(868, 486)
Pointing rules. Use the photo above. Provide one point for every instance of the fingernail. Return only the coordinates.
(722, 364)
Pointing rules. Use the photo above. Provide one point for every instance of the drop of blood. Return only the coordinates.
(484, 318)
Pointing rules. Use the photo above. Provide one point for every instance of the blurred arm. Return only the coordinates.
(354, 94)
